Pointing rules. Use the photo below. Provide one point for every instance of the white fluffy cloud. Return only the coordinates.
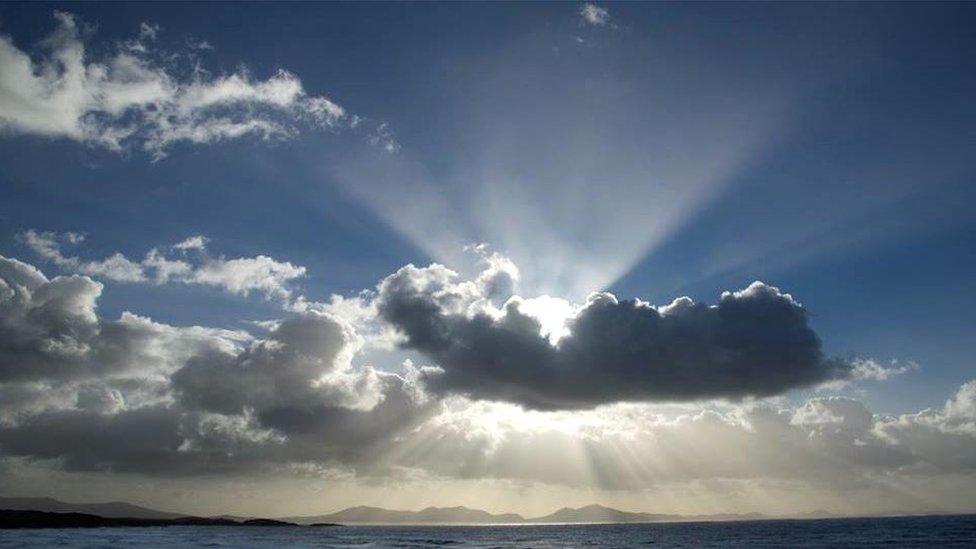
(594, 15)
(152, 398)
(197, 242)
(50, 332)
(244, 275)
(135, 96)
(241, 276)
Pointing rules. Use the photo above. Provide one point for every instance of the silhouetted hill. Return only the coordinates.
(18, 519)
(235, 518)
(378, 515)
(465, 515)
(268, 522)
(40, 519)
(430, 515)
(599, 513)
(114, 509)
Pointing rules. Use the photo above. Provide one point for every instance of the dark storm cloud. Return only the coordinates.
(755, 342)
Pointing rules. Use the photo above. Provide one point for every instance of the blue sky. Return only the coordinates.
(653, 151)
(868, 183)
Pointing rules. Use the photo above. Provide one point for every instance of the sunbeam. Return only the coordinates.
(579, 182)
(435, 264)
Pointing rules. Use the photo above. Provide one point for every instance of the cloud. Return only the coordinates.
(244, 275)
(50, 331)
(278, 371)
(238, 276)
(382, 136)
(115, 267)
(83, 393)
(943, 439)
(197, 242)
(147, 31)
(594, 15)
(139, 396)
(500, 275)
(831, 443)
(300, 382)
(135, 96)
(876, 371)
(755, 342)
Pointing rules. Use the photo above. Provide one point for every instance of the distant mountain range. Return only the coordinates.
(430, 515)
(465, 515)
(377, 515)
(599, 513)
(14, 519)
(115, 509)
(52, 513)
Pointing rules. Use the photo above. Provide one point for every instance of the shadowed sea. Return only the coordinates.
(942, 531)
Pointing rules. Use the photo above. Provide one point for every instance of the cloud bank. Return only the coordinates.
(82, 393)
(834, 442)
(138, 396)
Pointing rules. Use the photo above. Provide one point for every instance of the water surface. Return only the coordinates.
(954, 531)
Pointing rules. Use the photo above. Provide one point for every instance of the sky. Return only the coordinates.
(280, 259)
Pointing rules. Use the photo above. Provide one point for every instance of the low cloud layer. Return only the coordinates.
(831, 442)
(138, 396)
(754, 343)
(86, 394)
(141, 95)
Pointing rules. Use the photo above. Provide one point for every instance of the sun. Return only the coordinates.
(553, 314)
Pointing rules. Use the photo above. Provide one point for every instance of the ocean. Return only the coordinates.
(942, 531)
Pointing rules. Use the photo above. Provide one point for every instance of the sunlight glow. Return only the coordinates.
(552, 313)
(572, 205)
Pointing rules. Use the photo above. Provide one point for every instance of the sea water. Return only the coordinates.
(942, 531)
